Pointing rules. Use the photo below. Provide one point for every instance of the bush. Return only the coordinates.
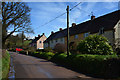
(48, 49)
(95, 44)
(105, 66)
(73, 46)
(40, 50)
(12, 49)
(31, 49)
(60, 48)
(46, 55)
(59, 58)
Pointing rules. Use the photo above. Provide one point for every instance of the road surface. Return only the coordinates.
(31, 67)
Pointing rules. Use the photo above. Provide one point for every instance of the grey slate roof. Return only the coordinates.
(107, 21)
(36, 39)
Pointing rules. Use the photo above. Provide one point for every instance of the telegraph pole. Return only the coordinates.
(67, 30)
(22, 37)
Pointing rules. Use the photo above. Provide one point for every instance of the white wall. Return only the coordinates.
(109, 35)
(45, 45)
(52, 43)
(117, 30)
(117, 34)
(41, 45)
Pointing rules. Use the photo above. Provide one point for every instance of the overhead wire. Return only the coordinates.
(59, 16)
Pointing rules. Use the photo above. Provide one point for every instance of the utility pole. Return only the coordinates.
(22, 37)
(67, 30)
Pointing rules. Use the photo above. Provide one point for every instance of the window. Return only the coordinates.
(86, 35)
(40, 41)
(76, 36)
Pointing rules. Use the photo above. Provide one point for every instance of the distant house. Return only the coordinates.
(107, 25)
(38, 41)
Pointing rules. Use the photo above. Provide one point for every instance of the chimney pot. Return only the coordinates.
(73, 24)
(60, 29)
(38, 35)
(43, 33)
(52, 32)
(92, 17)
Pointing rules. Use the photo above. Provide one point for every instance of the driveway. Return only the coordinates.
(31, 67)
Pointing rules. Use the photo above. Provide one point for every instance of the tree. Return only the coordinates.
(95, 44)
(16, 18)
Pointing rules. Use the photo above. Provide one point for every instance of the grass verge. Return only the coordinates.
(5, 65)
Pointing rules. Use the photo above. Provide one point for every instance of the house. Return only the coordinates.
(108, 25)
(38, 41)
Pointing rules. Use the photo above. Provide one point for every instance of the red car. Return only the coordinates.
(18, 49)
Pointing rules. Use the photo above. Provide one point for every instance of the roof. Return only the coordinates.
(36, 39)
(107, 21)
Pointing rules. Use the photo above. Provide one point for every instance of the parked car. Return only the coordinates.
(19, 49)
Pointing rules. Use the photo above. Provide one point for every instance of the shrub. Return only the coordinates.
(48, 49)
(60, 48)
(99, 65)
(31, 49)
(45, 55)
(59, 58)
(95, 44)
(12, 49)
(73, 46)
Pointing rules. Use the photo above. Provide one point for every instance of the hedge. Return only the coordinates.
(103, 66)
(44, 55)
(59, 58)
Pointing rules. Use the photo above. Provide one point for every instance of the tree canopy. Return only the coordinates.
(15, 18)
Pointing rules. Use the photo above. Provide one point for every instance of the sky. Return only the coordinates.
(43, 12)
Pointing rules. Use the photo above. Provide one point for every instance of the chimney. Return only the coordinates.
(52, 32)
(38, 35)
(60, 29)
(35, 37)
(92, 17)
(43, 34)
(73, 24)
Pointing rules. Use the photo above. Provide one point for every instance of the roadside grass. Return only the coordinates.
(5, 65)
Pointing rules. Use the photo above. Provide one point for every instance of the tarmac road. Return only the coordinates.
(31, 67)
